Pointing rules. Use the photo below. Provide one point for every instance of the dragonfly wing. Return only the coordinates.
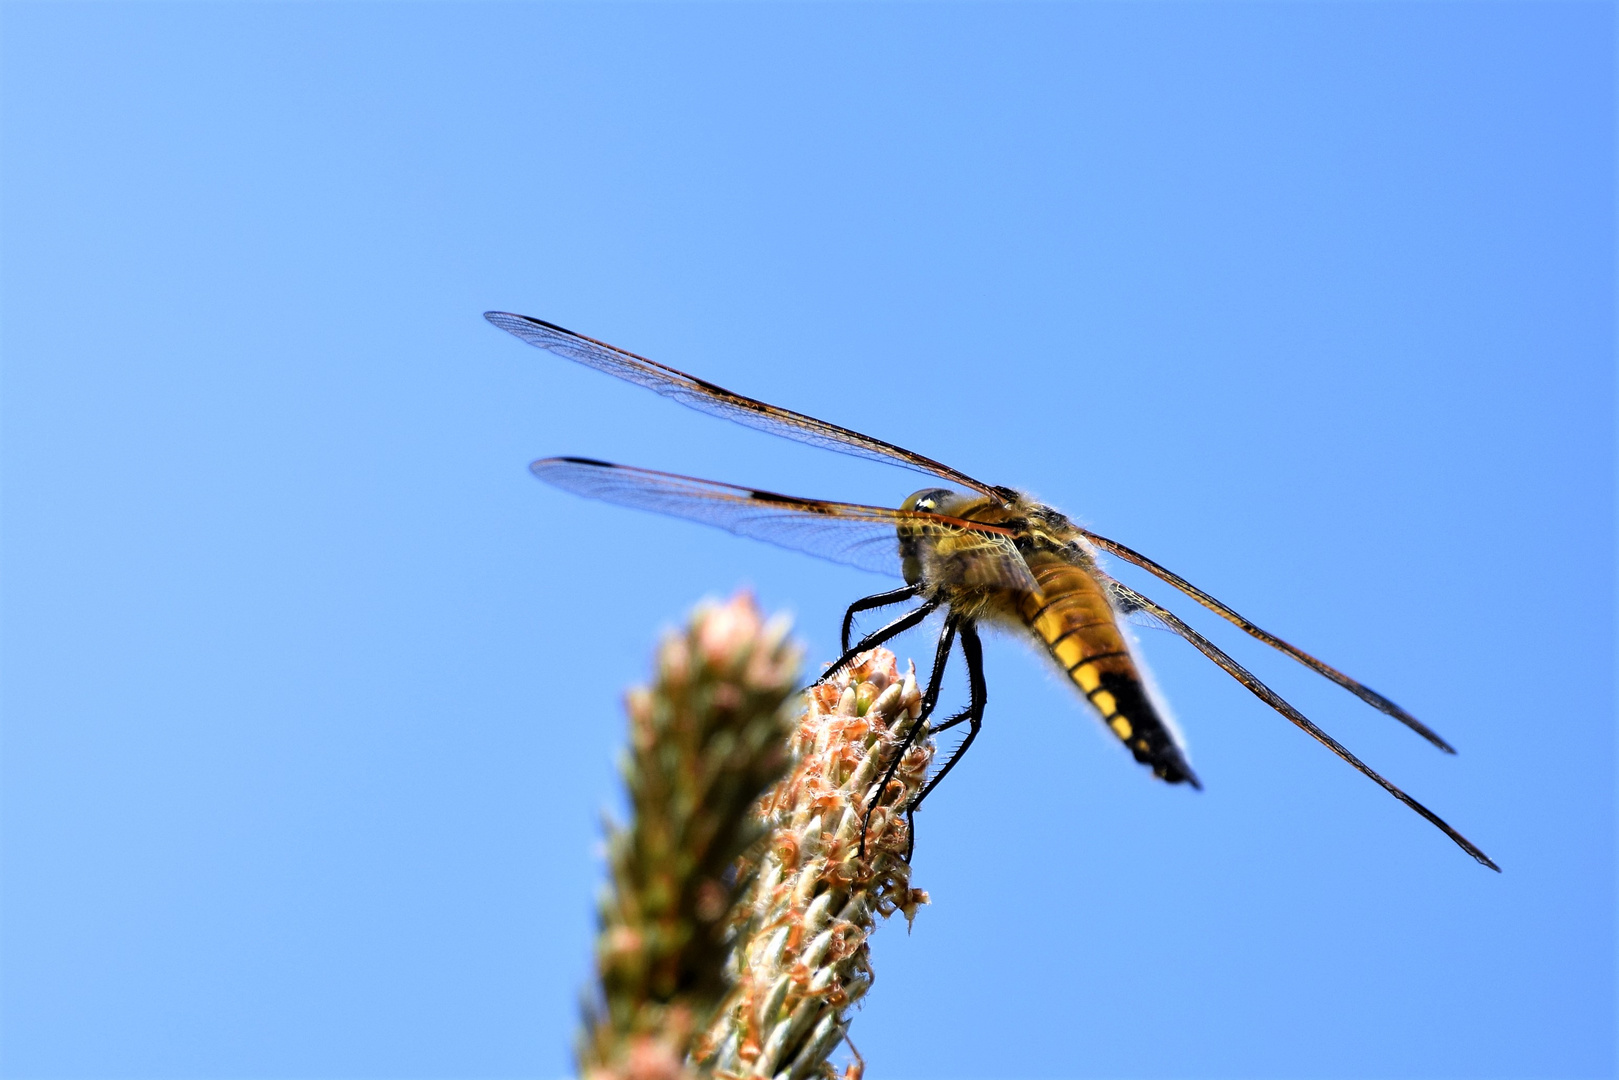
(1365, 693)
(718, 401)
(866, 537)
(1141, 605)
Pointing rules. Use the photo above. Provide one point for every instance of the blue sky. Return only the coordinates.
(311, 693)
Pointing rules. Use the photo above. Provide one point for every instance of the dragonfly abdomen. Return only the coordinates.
(1073, 617)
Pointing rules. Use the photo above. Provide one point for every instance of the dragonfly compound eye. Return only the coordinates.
(928, 499)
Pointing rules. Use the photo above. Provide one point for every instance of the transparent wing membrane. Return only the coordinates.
(1139, 603)
(718, 401)
(866, 537)
(1365, 693)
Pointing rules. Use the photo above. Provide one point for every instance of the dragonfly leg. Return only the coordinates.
(930, 698)
(877, 637)
(972, 651)
(877, 600)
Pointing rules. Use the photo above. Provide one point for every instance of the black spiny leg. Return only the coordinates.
(876, 600)
(930, 698)
(972, 651)
(877, 637)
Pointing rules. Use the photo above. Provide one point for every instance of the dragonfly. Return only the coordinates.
(979, 554)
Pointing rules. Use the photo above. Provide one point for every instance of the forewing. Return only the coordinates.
(718, 401)
(862, 536)
(1129, 600)
(1365, 693)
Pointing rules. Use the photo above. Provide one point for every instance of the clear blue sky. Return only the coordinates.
(312, 694)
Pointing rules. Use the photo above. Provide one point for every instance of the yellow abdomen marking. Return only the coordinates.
(1050, 625)
(1072, 616)
(1069, 651)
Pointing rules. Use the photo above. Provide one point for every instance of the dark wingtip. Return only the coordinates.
(497, 318)
(510, 321)
(536, 466)
(1383, 704)
(1428, 733)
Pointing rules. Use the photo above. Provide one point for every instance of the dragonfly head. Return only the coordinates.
(916, 538)
(935, 501)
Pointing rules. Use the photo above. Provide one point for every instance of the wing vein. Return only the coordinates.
(867, 537)
(1365, 693)
(1275, 701)
(715, 400)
